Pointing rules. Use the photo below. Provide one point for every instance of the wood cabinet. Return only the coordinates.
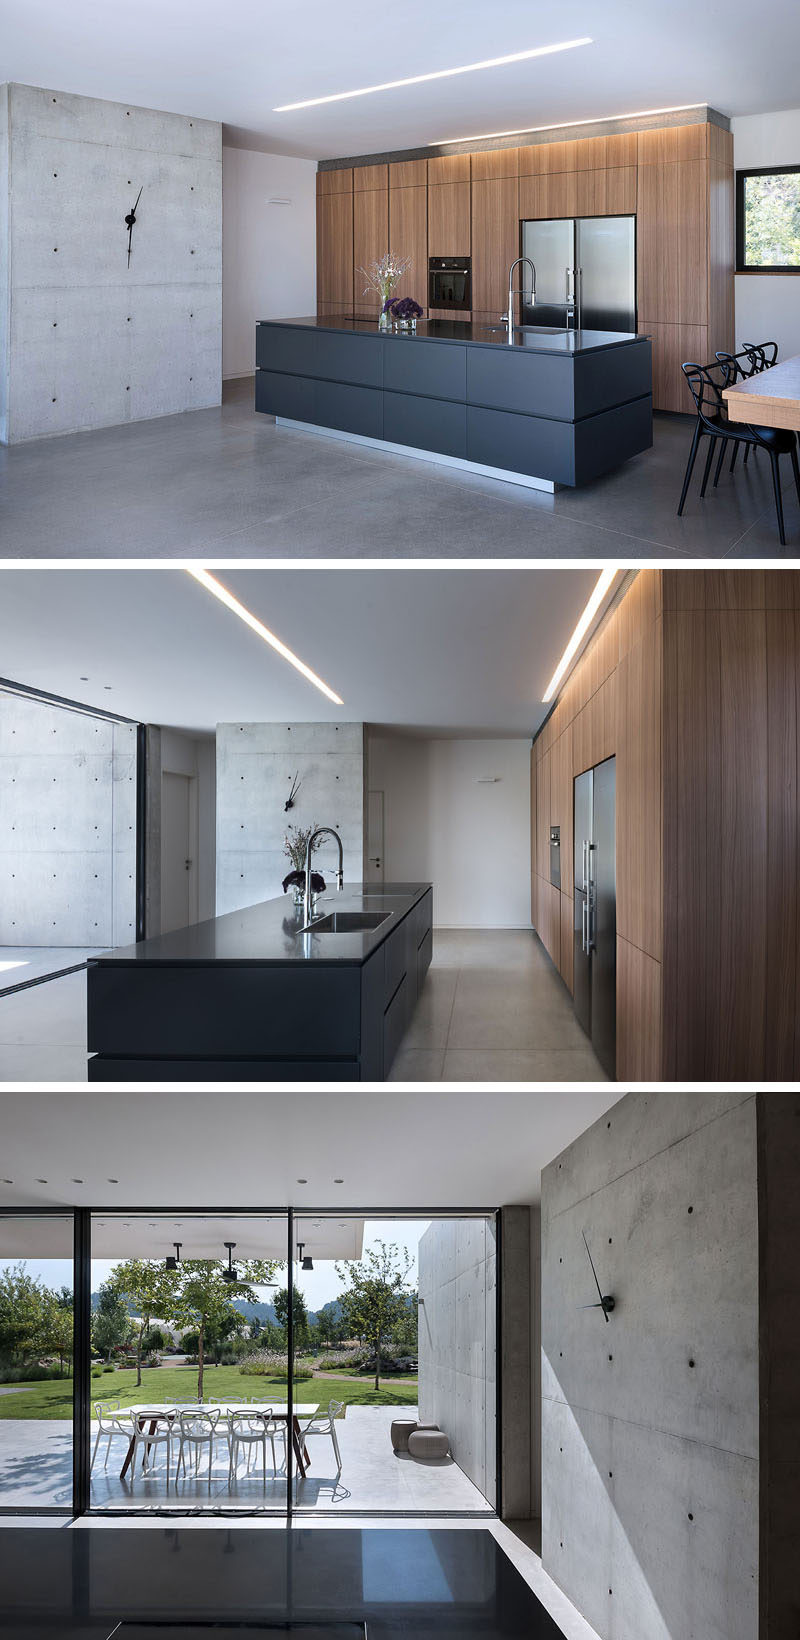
(408, 173)
(674, 345)
(335, 250)
(370, 242)
(367, 177)
(339, 181)
(611, 192)
(408, 236)
(492, 163)
(547, 196)
(449, 219)
(495, 242)
(449, 168)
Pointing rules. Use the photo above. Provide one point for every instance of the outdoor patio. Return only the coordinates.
(36, 1471)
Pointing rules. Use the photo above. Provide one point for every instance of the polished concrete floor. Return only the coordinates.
(493, 1009)
(320, 1583)
(36, 1472)
(22, 965)
(228, 483)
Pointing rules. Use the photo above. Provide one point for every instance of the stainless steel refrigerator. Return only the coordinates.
(585, 272)
(595, 913)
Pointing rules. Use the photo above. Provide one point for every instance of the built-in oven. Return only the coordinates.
(449, 283)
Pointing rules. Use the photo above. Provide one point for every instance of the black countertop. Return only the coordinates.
(556, 343)
(269, 933)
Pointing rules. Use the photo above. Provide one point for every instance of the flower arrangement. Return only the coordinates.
(384, 276)
(406, 311)
(295, 843)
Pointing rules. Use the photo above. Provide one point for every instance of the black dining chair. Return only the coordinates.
(707, 383)
(766, 354)
(742, 366)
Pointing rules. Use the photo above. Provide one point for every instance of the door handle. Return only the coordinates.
(374, 859)
(584, 909)
(590, 902)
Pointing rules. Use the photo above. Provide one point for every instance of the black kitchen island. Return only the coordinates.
(547, 408)
(249, 997)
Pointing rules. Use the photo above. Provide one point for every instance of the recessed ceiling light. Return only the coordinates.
(438, 74)
(564, 125)
(225, 597)
(601, 587)
(113, 1181)
(41, 1181)
(77, 1181)
(302, 1181)
(8, 1181)
(338, 1181)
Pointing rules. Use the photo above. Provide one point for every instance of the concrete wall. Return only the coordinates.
(650, 1424)
(67, 827)
(767, 306)
(458, 1342)
(92, 342)
(269, 247)
(457, 812)
(256, 764)
(779, 1216)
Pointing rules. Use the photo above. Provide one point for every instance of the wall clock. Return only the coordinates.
(129, 223)
(606, 1301)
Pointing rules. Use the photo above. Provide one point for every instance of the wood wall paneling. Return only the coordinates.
(669, 143)
(567, 953)
(639, 1015)
(783, 853)
(495, 242)
(543, 817)
(449, 219)
(370, 242)
(640, 608)
(674, 345)
(408, 236)
(408, 173)
(449, 168)
(553, 924)
(335, 182)
(561, 775)
(367, 177)
(721, 256)
(639, 771)
(611, 192)
(335, 248)
(685, 838)
(493, 163)
(692, 308)
(658, 209)
(549, 196)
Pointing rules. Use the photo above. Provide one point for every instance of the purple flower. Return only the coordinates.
(406, 308)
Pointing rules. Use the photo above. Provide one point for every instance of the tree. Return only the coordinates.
(111, 1322)
(376, 1294)
(151, 1289)
(405, 1332)
(58, 1331)
(329, 1324)
(299, 1318)
(202, 1298)
(24, 1304)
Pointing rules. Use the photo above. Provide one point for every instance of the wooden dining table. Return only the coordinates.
(280, 1414)
(770, 399)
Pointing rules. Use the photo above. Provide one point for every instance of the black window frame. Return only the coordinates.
(742, 265)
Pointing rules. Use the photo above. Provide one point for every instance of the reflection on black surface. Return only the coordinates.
(178, 1582)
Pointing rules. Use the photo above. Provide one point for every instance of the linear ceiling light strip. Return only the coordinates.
(438, 74)
(602, 585)
(225, 597)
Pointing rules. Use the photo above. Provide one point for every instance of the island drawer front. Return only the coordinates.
(425, 424)
(350, 409)
(291, 396)
(434, 372)
(618, 374)
(531, 383)
(424, 955)
(224, 1010)
(345, 358)
(395, 959)
(395, 1020)
(286, 350)
(522, 444)
(606, 440)
(105, 1068)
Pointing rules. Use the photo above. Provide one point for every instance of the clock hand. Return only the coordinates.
(138, 197)
(596, 1282)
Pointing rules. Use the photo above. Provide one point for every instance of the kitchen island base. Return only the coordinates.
(526, 479)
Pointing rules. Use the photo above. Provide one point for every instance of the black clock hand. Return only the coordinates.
(136, 206)
(596, 1282)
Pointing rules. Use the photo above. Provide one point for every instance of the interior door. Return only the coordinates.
(177, 864)
(582, 835)
(604, 916)
(551, 248)
(606, 256)
(375, 826)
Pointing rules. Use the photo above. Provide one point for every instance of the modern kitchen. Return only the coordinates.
(536, 854)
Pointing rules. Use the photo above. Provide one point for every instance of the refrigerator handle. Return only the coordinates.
(585, 906)
(590, 886)
(578, 276)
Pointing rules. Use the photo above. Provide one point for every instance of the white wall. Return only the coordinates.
(768, 304)
(471, 840)
(92, 342)
(268, 250)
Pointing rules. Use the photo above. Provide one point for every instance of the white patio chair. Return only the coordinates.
(323, 1423)
(110, 1422)
(250, 1429)
(152, 1427)
(198, 1429)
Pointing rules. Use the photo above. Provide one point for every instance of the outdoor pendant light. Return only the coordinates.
(230, 1274)
(174, 1259)
(307, 1262)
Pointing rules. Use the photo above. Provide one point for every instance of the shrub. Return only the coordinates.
(109, 1368)
(341, 1360)
(97, 1372)
(271, 1364)
(34, 1372)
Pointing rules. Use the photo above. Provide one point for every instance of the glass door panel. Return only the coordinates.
(36, 1356)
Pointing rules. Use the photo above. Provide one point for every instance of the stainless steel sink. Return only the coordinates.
(349, 922)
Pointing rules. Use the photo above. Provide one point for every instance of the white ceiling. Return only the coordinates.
(392, 1149)
(449, 651)
(128, 1235)
(237, 62)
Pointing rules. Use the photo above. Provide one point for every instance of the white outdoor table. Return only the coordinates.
(279, 1411)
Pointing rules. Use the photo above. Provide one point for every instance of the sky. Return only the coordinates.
(317, 1286)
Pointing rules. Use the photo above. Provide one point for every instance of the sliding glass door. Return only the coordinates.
(36, 1362)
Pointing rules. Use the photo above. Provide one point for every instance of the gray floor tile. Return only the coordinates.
(503, 1065)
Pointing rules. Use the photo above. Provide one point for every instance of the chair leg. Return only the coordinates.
(720, 459)
(335, 1440)
(776, 485)
(709, 458)
(796, 469)
(690, 466)
(734, 454)
(94, 1450)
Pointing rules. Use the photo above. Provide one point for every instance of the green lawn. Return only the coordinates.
(52, 1398)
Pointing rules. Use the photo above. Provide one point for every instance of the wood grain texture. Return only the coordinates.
(782, 588)
(542, 197)
(640, 608)
(736, 724)
(543, 817)
(639, 794)
(495, 242)
(335, 248)
(692, 243)
(721, 256)
(408, 236)
(674, 345)
(561, 774)
(685, 843)
(567, 951)
(658, 216)
(553, 920)
(720, 145)
(370, 242)
(449, 168)
(715, 589)
(639, 1015)
(672, 142)
(534, 897)
(771, 399)
(782, 908)
(493, 163)
(611, 192)
(449, 219)
(408, 173)
(335, 182)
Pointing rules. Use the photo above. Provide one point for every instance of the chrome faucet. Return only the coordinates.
(321, 831)
(519, 262)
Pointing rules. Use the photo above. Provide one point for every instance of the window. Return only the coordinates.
(768, 220)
